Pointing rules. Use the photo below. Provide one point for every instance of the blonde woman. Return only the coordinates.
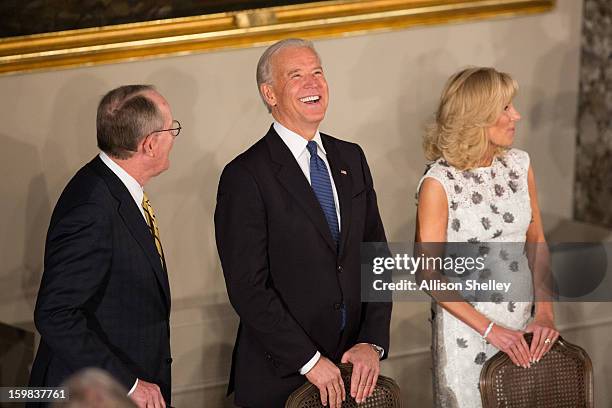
(480, 189)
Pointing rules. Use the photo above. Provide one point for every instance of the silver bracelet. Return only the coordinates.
(488, 330)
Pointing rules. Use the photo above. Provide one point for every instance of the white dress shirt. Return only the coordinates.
(137, 193)
(135, 189)
(297, 145)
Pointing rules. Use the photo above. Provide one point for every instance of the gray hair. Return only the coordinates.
(125, 116)
(264, 66)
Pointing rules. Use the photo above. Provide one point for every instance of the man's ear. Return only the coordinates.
(268, 94)
(147, 145)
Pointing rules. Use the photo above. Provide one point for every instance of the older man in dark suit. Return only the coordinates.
(104, 299)
(291, 214)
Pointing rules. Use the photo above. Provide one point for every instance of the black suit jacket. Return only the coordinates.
(284, 275)
(104, 299)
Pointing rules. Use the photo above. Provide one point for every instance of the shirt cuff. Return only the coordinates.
(133, 387)
(308, 366)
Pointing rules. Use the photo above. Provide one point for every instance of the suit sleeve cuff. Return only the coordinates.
(133, 387)
(311, 363)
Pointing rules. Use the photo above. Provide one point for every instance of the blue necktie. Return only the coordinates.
(321, 184)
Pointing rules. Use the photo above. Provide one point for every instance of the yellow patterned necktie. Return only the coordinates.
(150, 217)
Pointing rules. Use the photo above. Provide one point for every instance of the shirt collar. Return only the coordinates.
(296, 143)
(135, 189)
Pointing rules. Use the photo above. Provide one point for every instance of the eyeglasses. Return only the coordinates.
(174, 130)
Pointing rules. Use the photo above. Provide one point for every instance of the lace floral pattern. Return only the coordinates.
(486, 204)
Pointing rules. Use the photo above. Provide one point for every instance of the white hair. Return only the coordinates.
(264, 66)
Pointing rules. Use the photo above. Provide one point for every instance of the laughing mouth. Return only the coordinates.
(310, 99)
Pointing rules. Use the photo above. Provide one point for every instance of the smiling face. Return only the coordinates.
(502, 132)
(298, 93)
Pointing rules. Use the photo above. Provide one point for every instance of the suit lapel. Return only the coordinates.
(290, 175)
(344, 186)
(135, 222)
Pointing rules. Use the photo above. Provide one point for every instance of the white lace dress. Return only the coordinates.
(486, 204)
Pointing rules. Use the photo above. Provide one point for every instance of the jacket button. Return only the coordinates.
(169, 361)
(337, 306)
(339, 269)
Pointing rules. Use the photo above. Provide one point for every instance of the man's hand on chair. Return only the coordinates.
(326, 377)
(366, 367)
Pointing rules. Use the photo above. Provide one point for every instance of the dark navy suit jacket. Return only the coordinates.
(284, 274)
(104, 299)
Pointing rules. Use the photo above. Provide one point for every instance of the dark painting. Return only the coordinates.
(18, 17)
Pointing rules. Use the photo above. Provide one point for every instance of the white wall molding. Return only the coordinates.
(205, 385)
(417, 351)
(587, 324)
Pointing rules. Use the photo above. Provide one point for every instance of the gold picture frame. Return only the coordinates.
(237, 29)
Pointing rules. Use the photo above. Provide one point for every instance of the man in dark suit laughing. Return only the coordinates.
(104, 299)
(291, 214)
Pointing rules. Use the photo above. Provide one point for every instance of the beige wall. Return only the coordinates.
(383, 90)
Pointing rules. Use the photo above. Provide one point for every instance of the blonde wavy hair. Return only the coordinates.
(472, 100)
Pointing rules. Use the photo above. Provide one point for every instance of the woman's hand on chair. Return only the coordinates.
(512, 343)
(544, 336)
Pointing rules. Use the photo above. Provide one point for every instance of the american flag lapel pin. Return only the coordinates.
(343, 172)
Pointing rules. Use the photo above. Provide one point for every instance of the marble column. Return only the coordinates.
(593, 187)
